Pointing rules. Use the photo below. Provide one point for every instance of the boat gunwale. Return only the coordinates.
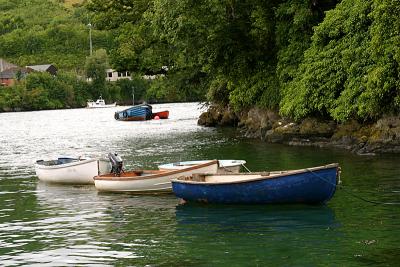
(69, 164)
(141, 106)
(159, 191)
(109, 177)
(264, 175)
(232, 163)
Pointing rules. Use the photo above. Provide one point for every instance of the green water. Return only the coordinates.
(53, 225)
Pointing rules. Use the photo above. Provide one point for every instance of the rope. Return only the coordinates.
(244, 166)
(353, 194)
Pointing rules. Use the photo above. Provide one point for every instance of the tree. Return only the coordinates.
(95, 68)
(351, 69)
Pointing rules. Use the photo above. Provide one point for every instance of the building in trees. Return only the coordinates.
(9, 76)
(113, 75)
(4, 65)
(44, 68)
(9, 73)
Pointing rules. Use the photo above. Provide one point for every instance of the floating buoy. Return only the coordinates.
(156, 118)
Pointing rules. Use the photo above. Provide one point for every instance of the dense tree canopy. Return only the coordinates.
(351, 69)
(328, 58)
(283, 54)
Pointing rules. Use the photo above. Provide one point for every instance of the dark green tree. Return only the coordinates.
(95, 69)
(351, 69)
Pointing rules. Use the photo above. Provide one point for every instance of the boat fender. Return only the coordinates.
(124, 114)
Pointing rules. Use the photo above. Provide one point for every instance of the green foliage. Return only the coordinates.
(39, 32)
(8, 23)
(256, 90)
(158, 89)
(224, 43)
(95, 68)
(294, 22)
(136, 86)
(51, 92)
(218, 91)
(351, 69)
(288, 54)
(43, 91)
(11, 97)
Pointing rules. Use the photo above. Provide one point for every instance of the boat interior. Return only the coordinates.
(223, 178)
(58, 161)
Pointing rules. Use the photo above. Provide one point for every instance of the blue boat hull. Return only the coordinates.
(135, 113)
(306, 187)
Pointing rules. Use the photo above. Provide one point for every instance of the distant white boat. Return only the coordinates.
(224, 166)
(68, 170)
(100, 103)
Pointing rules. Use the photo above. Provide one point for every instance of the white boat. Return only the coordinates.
(149, 181)
(225, 166)
(71, 170)
(100, 103)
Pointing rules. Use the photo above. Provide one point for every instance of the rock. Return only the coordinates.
(217, 115)
(206, 120)
(362, 139)
(228, 118)
(314, 127)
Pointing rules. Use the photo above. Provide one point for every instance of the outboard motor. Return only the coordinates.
(116, 163)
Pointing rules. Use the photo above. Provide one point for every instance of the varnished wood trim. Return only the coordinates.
(155, 173)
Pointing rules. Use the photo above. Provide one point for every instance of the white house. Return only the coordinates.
(113, 75)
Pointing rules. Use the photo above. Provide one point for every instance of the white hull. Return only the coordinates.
(79, 172)
(93, 105)
(151, 183)
(225, 166)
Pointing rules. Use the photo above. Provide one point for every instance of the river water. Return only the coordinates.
(53, 225)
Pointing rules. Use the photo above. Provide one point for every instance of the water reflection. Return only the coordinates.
(81, 226)
(256, 234)
(52, 225)
(259, 217)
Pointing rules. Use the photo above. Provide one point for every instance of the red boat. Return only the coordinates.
(161, 115)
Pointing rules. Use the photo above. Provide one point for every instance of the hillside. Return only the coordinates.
(58, 35)
(72, 3)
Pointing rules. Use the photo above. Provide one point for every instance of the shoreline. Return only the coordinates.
(382, 136)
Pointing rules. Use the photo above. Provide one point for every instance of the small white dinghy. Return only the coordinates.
(224, 166)
(67, 170)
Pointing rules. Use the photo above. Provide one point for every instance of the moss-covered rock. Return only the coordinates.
(315, 127)
(361, 138)
(218, 116)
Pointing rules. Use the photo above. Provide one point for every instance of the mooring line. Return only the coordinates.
(244, 166)
(353, 194)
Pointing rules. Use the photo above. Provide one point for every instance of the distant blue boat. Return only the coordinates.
(136, 113)
(309, 186)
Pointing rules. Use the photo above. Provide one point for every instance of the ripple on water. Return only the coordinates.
(50, 225)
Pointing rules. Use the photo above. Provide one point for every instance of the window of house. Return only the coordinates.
(110, 74)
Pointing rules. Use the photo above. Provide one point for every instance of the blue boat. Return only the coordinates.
(308, 186)
(136, 113)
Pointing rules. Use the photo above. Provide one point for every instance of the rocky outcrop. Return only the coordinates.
(366, 139)
(218, 116)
